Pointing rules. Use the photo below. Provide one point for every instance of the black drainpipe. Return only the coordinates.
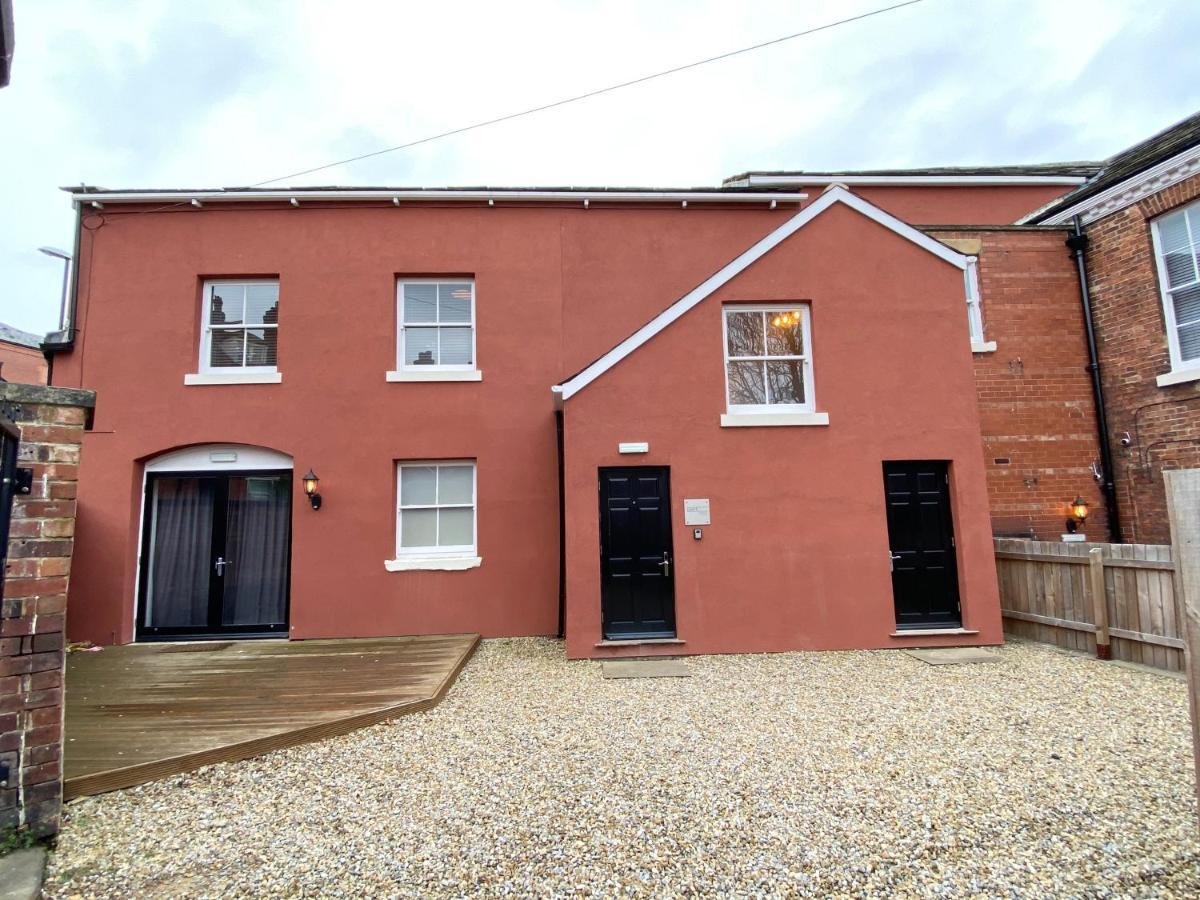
(1078, 242)
(562, 529)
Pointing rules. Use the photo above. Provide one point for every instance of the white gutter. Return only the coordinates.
(403, 196)
(904, 180)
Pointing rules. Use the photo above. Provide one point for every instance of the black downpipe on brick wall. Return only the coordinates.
(1078, 242)
(562, 529)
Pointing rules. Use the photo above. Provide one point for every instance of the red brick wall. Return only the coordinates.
(1163, 423)
(1035, 396)
(32, 653)
(22, 365)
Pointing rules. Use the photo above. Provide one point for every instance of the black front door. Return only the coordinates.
(921, 535)
(637, 585)
(215, 555)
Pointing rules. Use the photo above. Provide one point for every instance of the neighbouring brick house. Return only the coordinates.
(21, 358)
(32, 630)
(1141, 218)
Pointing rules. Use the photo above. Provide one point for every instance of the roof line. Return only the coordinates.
(436, 194)
(752, 180)
(761, 248)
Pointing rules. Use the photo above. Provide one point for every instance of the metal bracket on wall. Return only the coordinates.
(21, 480)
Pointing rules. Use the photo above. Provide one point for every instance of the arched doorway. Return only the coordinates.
(216, 544)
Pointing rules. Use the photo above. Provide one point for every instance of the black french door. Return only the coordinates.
(921, 537)
(637, 587)
(216, 554)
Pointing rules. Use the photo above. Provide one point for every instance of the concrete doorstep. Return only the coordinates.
(21, 874)
(646, 668)
(949, 656)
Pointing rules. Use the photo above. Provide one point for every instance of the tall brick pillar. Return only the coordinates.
(32, 645)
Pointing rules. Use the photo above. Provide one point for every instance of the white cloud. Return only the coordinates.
(158, 94)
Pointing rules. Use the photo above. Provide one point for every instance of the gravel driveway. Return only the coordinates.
(787, 774)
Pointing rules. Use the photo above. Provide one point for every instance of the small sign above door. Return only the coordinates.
(695, 512)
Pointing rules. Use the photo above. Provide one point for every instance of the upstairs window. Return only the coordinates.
(1177, 247)
(240, 327)
(437, 325)
(768, 364)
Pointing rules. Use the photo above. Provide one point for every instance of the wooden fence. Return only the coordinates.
(1050, 591)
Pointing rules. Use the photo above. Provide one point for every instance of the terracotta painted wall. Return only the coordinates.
(22, 365)
(797, 553)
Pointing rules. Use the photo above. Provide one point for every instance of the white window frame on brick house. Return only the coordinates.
(435, 556)
(408, 371)
(206, 372)
(1182, 370)
(975, 308)
(749, 414)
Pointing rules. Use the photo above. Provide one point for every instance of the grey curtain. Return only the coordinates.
(257, 526)
(180, 553)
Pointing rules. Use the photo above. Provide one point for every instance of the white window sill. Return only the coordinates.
(755, 420)
(435, 375)
(432, 563)
(234, 378)
(983, 346)
(1182, 376)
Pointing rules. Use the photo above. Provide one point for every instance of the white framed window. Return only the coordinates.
(435, 514)
(436, 325)
(768, 359)
(240, 327)
(1176, 238)
(974, 310)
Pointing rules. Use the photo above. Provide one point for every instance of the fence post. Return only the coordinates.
(1099, 601)
(1183, 510)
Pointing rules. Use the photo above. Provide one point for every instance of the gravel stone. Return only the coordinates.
(797, 774)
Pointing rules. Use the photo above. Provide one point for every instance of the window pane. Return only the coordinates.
(455, 303)
(1187, 305)
(456, 347)
(455, 484)
(418, 528)
(785, 334)
(786, 381)
(745, 334)
(262, 304)
(226, 347)
(260, 346)
(420, 346)
(418, 485)
(746, 383)
(420, 302)
(1178, 254)
(1189, 342)
(226, 304)
(456, 527)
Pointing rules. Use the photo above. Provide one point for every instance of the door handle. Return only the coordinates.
(892, 561)
(220, 565)
(666, 565)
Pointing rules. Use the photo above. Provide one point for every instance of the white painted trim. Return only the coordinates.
(1183, 376)
(1125, 193)
(756, 420)
(200, 458)
(932, 632)
(435, 374)
(435, 196)
(433, 563)
(233, 378)
(574, 385)
(983, 346)
(903, 180)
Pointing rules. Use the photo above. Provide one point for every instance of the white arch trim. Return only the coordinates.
(214, 457)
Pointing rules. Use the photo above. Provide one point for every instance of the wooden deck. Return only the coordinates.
(140, 712)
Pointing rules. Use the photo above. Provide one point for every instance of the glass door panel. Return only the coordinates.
(257, 529)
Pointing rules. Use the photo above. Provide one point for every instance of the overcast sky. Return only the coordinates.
(228, 92)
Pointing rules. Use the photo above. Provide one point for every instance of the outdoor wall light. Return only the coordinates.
(1079, 514)
(310, 488)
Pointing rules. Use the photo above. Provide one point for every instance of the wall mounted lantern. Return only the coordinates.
(1079, 514)
(310, 488)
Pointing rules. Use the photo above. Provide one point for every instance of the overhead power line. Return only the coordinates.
(596, 93)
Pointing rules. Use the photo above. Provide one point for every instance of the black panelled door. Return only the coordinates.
(921, 536)
(637, 584)
(216, 552)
